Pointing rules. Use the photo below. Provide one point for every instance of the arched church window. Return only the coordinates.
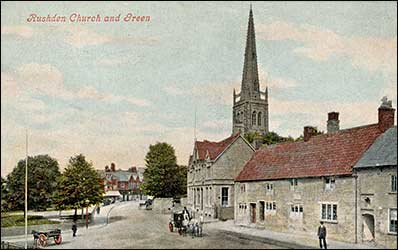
(259, 119)
(237, 117)
(241, 117)
(254, 116)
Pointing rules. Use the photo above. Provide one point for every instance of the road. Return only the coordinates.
(130, 227)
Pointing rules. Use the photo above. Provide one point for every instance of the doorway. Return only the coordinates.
(253, 212)
(262, 207)
(368, 227)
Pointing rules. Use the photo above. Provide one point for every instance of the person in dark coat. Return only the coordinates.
(322, 236)
(185, 211)
(74, 228)
(74, 225)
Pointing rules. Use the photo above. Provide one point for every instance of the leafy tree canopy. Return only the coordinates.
(267, 139)
(79, 185)
(42, 174)
(163, 177)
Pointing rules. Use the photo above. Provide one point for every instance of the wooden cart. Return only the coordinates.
(41, 238)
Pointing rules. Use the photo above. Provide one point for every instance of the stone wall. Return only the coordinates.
(374, 201)
(212, 178)
(309, 193)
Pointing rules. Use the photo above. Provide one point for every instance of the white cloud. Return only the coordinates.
(42, 79)
(90, 92)
(18, 30)
(174, 90)
(80, 36)
(371, 53)
(113, 61)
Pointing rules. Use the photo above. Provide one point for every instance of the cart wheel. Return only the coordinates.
(58, 239)
(170, 227)
(42, 240)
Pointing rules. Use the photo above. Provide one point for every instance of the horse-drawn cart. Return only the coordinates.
(41, 238)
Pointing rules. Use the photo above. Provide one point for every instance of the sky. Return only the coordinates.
(108, 90)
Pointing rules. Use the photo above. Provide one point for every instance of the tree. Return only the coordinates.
(4, 194)
(273, 138)
(79, 186)
(267, 139)
(163, 177)
(42, 173)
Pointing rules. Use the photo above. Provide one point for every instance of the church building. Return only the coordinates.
(213, 166)
(250, 106)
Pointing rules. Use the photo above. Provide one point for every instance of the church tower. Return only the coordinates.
(250, 106)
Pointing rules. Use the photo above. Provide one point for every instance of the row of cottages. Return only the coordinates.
(212, 169)
(345, 178)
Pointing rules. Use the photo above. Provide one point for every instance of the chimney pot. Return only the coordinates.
(333, 123)
(308, 132)
(386, 114)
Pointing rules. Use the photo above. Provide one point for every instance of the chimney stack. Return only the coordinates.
(333, 124)
(386, 114)
(309, 132)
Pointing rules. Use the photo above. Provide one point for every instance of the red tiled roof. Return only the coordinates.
(214, 148)
(322, 155)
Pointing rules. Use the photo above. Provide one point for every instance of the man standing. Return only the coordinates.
(185, 211)
(322, 235)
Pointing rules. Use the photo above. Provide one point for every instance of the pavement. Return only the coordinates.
(287, 240)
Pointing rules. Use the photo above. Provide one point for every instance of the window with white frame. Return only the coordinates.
(242, 187)
(242, 208)
(270, 206)
(393, 183)
(207, 196)
(296, 210)
(293, 184)
(211, 196)
(329, 212)
(269, 188)
(330, 183)
(392, 220)
(224, 197)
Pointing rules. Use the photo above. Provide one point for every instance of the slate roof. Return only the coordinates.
(322, 155)
(383, 151)
(122, 175)
(214, 148)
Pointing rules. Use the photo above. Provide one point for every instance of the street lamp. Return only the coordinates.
(87, 202)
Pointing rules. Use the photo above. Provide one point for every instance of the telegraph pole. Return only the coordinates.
(26, 193)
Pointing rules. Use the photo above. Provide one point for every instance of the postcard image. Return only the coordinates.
(198, 124)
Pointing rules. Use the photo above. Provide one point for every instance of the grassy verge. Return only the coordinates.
(14, 220)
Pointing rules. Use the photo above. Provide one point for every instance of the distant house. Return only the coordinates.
(292, 186)
(211, 172)
(126, 181)
(376, 174)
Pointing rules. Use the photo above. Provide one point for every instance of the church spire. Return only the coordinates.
(250, 82)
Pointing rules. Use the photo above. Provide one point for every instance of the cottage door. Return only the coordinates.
(253, 212)
(368, 227)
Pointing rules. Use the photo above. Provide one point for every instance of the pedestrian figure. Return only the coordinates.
(74, 228)
(186, 212)
(200, 228)
(322, 236)
(98, 209)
